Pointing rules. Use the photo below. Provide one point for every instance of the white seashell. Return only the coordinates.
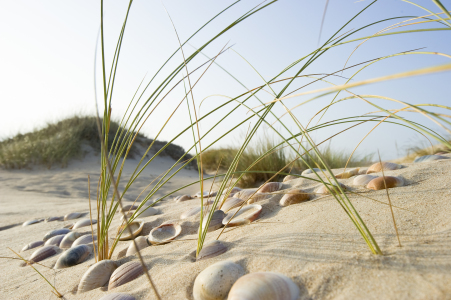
(182, 198)
(363, 179)
(295, 196)
(136, 227)
(215, 222)
(211, 249)
(97, 275)
(125, 273)
(147, 212)
(32, 245)
(290, 177)
(84, 222)
(141, 242)
(56, 240)
(69, 226)
(31, 222)
(379, 183)
(230, 203)
(323, 189)
(51, 219)
(270, 187)
(387, 166)
(245, 194)
(164, 233)
(43, 253)
(425, 158)
(245, 215)
(73, 256)
(71, 216)
(348, 174)
(55, 232)
(258, 197)
(84, 240)
(309, 171)
(214, 282)
(264, 286)
(117, 296)
(67, 241)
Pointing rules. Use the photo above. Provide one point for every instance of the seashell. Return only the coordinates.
(136, 227)
(234, 190)
(141, 242)
(182, 198)
(206, 194)
(309, 171)
(73, 256)
(214, 282)
(84, 240)
(97, 275)
(147, 212)
(128, 207)
(264, 286)
(363, 179)
(192, 212)
(44, 253)
(244, 216)
(215, 222)
(270, 187)
(211, 249)
(245, 194)
(348, 174)
(125, 273)
(164, 233)
(258, 197)
(387, 166)
(128, 214)
(31, 222)
(51, 219)
(290, 177)
(295, 196)
(230, 203)
(67, 241)
(55, 232)
(32, 245)
(425, 158)
(84, 222)
(362, 171)
(323, 189)
(117, 296)
(69, 226)
(72, 216)
(390, 181)
(56, 240)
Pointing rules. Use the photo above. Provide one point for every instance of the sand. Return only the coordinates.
(314, 243)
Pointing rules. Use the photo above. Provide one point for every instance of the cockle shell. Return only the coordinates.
(67, 241)
(309, 171)
(425, 158)
(270, 187)
(55, 232)
(136, 227)
(211, 249)
(72, 216)
(264, 286)
(117, 296)
(390, 181)
(51, 219)
(363, 179)
(182, 198)
(73, 256)
(387, 166)
(56, 240)
(84, 222)
(258, 197)
(215, 222)
(214, 282)
(230, 203)
(125, 273)
(348, 174)
(290, 177)
(97, 275)
(31, 222)
(141, 242)
(295, 196)
(44, 253)
(84, 240)
(244, 216)
(323, 189)
(32, 245)
(164, 233)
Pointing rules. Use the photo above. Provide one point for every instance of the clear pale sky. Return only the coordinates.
(47, 59)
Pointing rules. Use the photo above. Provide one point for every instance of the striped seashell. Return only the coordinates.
(387, 166)
(245, 215)
(182, 198)
(264, 286)
(294, 197)
(211, 249)
(290, 177)
(258, 197)
(363, 179)
(73, 256)
(55, 232)
(125, 273)
(72, 216)
(215, 281)
(32, 245)
(348, 174)
(117, 296)
(43, 253)
(84, 240)
(68, 240)
(84, 222)
(309, 171)
(31, 222)
(56, 240)
(390, 181)
(270, 187)
(230, 203)
(215, 222)
(97, 275)
(51, 219)
(426, 158)
(164, 233)
(325, 191)
(141, 242)
(136, 227)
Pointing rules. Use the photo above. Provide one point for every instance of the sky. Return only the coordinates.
(48, 54)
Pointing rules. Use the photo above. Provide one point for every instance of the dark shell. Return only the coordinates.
(33, 245)
(55, 232)
(117, 296)
(125, 273)
(44, 253)
(56, 240)
(73, 256)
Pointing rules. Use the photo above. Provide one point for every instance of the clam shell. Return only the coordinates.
(55, 232)
(323, 189)
(245, 194)
(147, 212)
(125, 273)
(32, 245)
(214, 282)
(264, 286)
(290, 177)
(164, 233)
(72, 216)
(390, 181)
(295, 196)
(387, 166)
(84, 222)
(69, 226)
(56, 240)
(182, 198)
(363, 179)
(348, 174)
(215, 222)
(141, 242)
(230, 203)
(31, 222)
(117, 296)
(309, 171)
(425, 158)
(136, 227)
(246, 215)
(51, 219)
(44, 253)
(67, 241)
(211, 249)
(258, 197)
(97, 275)
(84, 240)
(73, 256)
(270, 187)
(234, 190)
